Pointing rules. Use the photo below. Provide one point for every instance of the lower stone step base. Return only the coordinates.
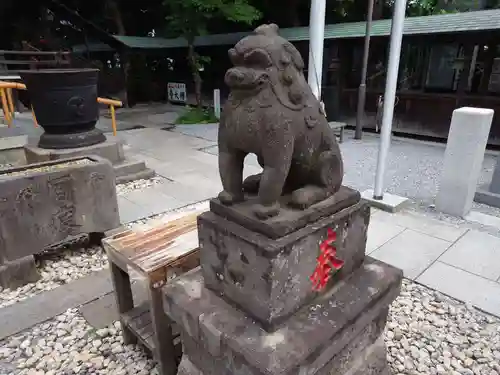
(339, 333)
(19, 272)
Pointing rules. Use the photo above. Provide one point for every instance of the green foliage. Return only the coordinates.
(197, 116)
(190, 18)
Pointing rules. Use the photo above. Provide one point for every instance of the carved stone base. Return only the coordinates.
(18, 272)
(289, 219)
(340, 333)
(110, 149)
(269, 278)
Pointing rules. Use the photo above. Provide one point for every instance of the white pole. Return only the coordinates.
(316, 41)
(217, 103)
(398, 19)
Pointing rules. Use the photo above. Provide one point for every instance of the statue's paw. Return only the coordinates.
(265, 212)
(252, 183)
(228, 199)
(304, 197)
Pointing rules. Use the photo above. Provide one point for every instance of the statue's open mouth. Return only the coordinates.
(241, 78)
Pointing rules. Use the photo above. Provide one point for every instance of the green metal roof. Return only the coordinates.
(483, 20)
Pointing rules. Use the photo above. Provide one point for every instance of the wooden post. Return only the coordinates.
(5, 106)
(113, 118)
(124, 299)
(162, 328)
(10, 101)
(34, 117)
(488, 68)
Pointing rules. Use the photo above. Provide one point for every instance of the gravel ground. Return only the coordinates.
(67, 345)
(139, 185)
(58, 267)
(427, 333)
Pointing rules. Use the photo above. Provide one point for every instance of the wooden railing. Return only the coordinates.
(8, 103)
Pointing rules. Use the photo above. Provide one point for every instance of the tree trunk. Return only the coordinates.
(116, 15)
(196, 74)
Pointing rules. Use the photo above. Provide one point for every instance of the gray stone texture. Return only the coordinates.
(18, 272)
(111, 150)
(270, 278)
(463, 159)
(288, 219)
(271, 112)
(339, 333)
(490, 194)
(42, 204)
(37, 309)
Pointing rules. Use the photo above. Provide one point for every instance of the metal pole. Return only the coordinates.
(398, 19)
(362, 86)
(316, 41)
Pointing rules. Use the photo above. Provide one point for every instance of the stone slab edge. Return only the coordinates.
(39, 308)
(389, 203)
(484, 196)
(207, 318)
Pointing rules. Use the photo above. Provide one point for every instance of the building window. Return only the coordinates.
(443, 68)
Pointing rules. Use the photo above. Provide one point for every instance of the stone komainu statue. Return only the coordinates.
(272, 112)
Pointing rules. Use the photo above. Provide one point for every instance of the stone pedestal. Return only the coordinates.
(111, 150)
(490, 194)
(251, 308)
(469, 131)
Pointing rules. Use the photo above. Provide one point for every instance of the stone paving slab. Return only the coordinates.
(103, 311)
(422, 224)
(37, 309)
(411, 251)
(477, 253)
(379, 233)
(462, 285)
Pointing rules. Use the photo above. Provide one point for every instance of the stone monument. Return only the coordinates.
(65, 103)
(42, 204)
(284, 285)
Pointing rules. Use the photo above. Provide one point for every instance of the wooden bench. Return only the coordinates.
(157, 254)
(338, 127)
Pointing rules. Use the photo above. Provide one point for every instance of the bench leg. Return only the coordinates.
(164, 340)
(341, 135)
(124, 299)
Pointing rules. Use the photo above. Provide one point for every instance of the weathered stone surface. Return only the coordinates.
(463, 159)
(270, 278)
(289, 219)
(490, 193)
(44, 203)
(272, 112)
(327, 336)
(18, 272)
(111, 150)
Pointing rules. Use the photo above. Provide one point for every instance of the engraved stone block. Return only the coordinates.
(42, 204)
(270, 278)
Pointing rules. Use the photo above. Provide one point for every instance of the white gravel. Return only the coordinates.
(58, 267)
(67, 345)
(139, 185)
(429, 333)
(426, 333)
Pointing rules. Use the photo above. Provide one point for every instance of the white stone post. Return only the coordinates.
(217, 103)
(463, 159)
(316, 44)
